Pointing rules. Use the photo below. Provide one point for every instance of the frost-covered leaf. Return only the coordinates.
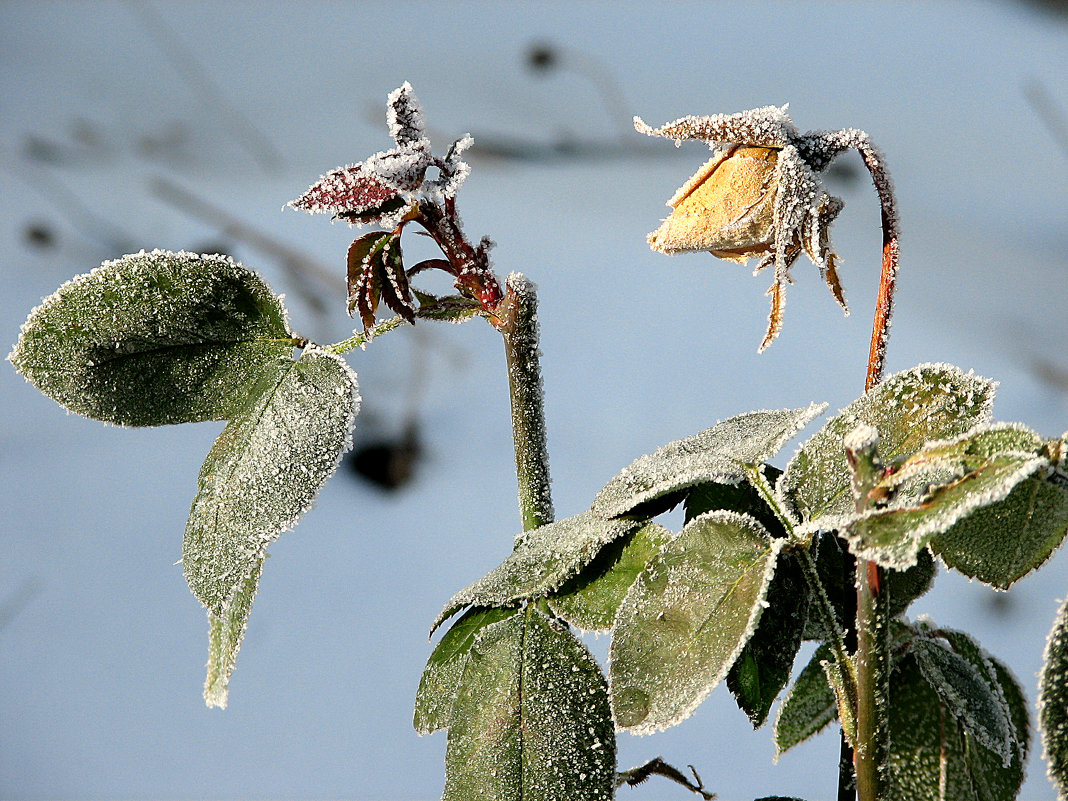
(809, 707)
(967, 691)
(770, 126)
(404, 116)
(265, 469)
(687, 617)
(543, 559)
(531, 720)
(842, 679)
(944, 483)
(909, 409)
(376, 271)
(894, 537)
(351, 193)
(1053, 703)
(589, 600)
(225, 633)
(1001, 543)
(742, 498)
(718, 454)
(441, 677)
(764, 666)
(934, 758)
(905, 586)
(449, 309)
(154, 338)
(454, 170)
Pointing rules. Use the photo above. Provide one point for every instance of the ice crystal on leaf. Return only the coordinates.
(1053, 703)
(909, 409)
(721, 453)
(968, 477)
(959, 723)
(404, 116)
(809, 707)
(352, 193)
(441, 677)
(543, 559)
(225, 633)
(531, 720)
(761, 196)
(687, 617)
(154, 338)
(382, 187)
(265, 470)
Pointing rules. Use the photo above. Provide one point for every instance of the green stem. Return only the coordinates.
(361, 338)
(872, 743)
(519, 325)
(873, 680)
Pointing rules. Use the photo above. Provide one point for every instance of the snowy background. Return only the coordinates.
(117, 119)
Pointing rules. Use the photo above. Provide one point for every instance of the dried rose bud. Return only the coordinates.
(759, 196)
(727, 207)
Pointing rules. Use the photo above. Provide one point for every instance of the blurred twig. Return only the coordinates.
(1048, 110)
(207, 91)
(71, 208)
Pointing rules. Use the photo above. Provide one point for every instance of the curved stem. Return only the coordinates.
(884, 301)
(519, 325)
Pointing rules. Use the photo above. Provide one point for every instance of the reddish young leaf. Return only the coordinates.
(396, 293)
(376, 272)
(351, 193)
(363, 294)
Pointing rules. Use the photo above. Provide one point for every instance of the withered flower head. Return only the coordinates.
(759, 196)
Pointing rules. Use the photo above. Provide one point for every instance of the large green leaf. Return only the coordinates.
(809, 707)
(934, 758)
(764, 666)
(687, 617)
(1003, 542)
(1053, 703)
(719, 454)
(225, 633)
(965, 682)
(265, 469)
(894, 537)
(590, 599)
(543, 559)
(441, 677)
(909, 409)
(531, 720)
(154, 338)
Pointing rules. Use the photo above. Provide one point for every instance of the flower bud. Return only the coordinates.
(727, 207)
